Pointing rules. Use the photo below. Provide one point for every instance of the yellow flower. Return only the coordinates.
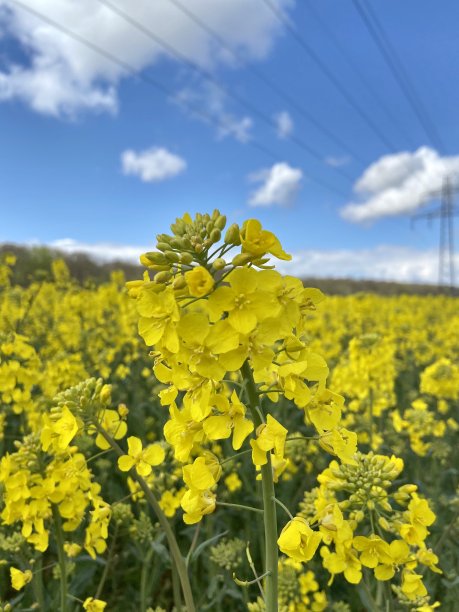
(20, 579)
(412, 585)
(199, 280)
(112, 423)
(271, 437)
(233, 482)
(94, 605)
(259, 242)
(142, 459)
(373, 549)
(298, 540)
(232, 420)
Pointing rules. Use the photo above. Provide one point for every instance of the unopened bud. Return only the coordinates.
(171, 256)
(215, 235)
(162, 277)
(219, 263)
(179, 283)
(163, 246)
(186, 258)
(241, 259)
(220, 222)
(233, 235)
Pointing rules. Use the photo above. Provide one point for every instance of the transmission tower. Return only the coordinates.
(445, 213)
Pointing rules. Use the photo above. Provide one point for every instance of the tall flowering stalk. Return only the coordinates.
(227, 329)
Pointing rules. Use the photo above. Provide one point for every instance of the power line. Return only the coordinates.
(329, 74)
(398, 70)
(362, 77)
(156, 84)
(266, 80)
(210, 77)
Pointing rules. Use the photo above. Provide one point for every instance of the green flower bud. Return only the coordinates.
(179, 282)
(219, 263)
(155, 257)
(233, 235)
(241, 259)
(186, 258)
(215, 235)
(171, 256)
(163, 246)
(220, 222)
(162, 277)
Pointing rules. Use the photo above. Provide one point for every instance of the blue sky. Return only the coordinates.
(68, 116)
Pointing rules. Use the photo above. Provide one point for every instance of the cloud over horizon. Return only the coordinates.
(382, 262)
(397, 184)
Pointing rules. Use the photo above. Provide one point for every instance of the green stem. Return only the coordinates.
(111, 554)
(176, 589)
(37, 583)
(61, 556)
(143, 581)
(176, 555)
(269, 505)
(284, 507)
(232, 457)
(241, 507)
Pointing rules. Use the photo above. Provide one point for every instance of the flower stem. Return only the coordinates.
(60, 556)
(174, 549)
(284, 507)
(241, 507)
(269, 505)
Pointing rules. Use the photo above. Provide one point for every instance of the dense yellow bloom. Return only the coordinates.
(140, 458)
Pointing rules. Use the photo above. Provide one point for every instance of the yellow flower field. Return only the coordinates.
(215, 436)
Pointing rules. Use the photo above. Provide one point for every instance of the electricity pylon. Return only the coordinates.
(446, 213)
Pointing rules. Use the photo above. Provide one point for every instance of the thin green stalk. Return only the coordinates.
(143, 581)
(284, 508)
(241, 507)
(174, 549)
(37, 583)
(176, 589)
(61, 556)
(111, 554)
(269, 505)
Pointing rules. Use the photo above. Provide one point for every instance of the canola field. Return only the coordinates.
(215, 436)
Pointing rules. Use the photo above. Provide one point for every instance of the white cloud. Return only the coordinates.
(383, 262)
(152, 165)
(280, 184)
(284, 124)
(337, 162)
(211, 100)
(397, 184)
(62, 76)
